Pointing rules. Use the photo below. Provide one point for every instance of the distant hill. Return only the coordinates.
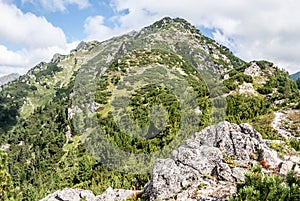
(295, 76)
(8, 78)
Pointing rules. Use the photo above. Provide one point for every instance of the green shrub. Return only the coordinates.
(242, 108)
(248, 78)
(230, 85)
(265, 90)
(294, 143)
(260, 186)
(298, 83)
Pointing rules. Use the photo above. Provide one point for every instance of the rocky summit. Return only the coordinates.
(163, 113)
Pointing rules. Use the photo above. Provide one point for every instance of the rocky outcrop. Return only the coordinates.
(286, 123)
(69, 194)
(116, 195)
(205, 167)
(110, 194)
(253, 70)
(84, 46)
(247, 88)
(56, 58)
(208, 165)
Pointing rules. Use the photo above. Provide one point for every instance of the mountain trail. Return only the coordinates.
(277, 122)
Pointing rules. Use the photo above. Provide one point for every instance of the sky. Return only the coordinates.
(32, 31)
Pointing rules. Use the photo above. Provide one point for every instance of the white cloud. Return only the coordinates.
(21, 61)
(10, 58)
(96, 30)
(27, 29)
(222, 38)
(58, 5)
(257, 29)
(34, 39)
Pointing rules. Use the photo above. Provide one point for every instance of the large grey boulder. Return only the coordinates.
(207, 166)
(110, 194)
(56, 58)
(69, 194)
(116, 195)
(82, 46)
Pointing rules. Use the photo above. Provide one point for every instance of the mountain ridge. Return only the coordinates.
(295, 76)
(8, 78)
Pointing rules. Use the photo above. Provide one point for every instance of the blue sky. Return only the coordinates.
(33, 30)
(71, 20)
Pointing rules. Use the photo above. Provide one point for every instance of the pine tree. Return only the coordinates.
(6, 184)
(298, 82)
(260, 186)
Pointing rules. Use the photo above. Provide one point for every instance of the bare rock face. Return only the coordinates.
(69, 194)
(207, 166)
(116, 195)
(253, 70)
(56, 58)
(82, 46)
(110, 194)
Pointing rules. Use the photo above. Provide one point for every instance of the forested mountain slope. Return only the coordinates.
(101, 115)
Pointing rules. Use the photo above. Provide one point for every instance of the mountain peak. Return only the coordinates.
(8, 78)
(179, 23)
(295, 76)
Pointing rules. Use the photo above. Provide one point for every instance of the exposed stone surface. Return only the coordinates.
(82, 46)
(110, 194)
(56, 58)
(68, 194)
(287, 123)
(247, 88)
(207, 165)
(116, 195)
(253, 70)
(260, 75)
(4, 147)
